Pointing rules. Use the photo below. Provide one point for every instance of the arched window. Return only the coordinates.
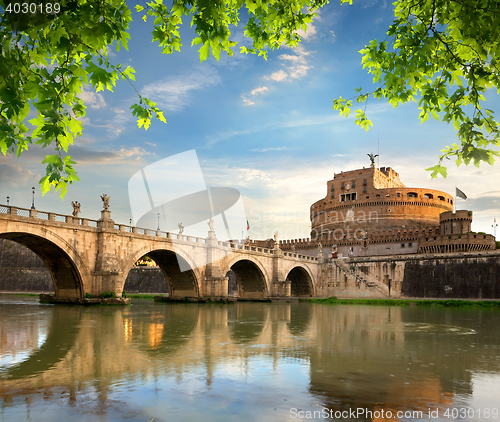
(412, 195)
(429, 196)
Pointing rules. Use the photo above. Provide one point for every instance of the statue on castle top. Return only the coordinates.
(211, 224)
(105, 202)
(372, 159)
(320, 250)
(76, 208)
(181, 228)
(293, 247)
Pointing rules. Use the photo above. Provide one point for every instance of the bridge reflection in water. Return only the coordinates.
(244, 361)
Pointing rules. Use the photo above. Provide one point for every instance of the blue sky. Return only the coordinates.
(266, 128)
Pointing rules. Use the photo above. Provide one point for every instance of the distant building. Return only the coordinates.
(370, 212)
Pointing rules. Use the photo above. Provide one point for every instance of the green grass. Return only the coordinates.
(141, 296)
(454, 303)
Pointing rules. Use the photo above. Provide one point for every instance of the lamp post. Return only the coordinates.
(130, 221)
(8, 200)
(33, 198)
(158, 221)
(494, 225)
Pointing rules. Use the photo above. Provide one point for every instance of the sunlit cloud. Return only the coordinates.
(173, 93)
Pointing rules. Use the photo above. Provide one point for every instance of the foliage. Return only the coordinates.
(124, 294)
(444, 54)
(49, 56)
(88, 296)
(107, 294)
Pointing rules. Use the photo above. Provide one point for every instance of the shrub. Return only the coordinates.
(107, 294)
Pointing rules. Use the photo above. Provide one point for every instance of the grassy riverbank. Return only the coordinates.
(411, 302)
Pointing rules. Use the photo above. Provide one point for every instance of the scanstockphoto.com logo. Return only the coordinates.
(172, 193)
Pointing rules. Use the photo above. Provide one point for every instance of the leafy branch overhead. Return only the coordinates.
(48, 58)
(444, 54)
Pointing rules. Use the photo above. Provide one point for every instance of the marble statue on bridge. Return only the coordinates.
(105, 202)
(76, 208)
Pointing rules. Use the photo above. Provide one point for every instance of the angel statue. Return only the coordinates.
(105, 202)
(181, 228)
(76, 208)
(372, 159)
(211, 224)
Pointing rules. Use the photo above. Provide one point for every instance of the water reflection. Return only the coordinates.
(243, 361)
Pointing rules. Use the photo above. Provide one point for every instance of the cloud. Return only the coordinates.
(253, 93)
(173, 93)
(123, 155)
(295, 65)
(246, 101)
(309, 34)
(92, 99)
(259, 90)
(278, 76)
(14, 174)
(151, 144)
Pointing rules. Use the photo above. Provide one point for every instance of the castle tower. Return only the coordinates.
(455, 222)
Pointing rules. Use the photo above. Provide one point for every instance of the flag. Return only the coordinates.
(460, 194)
(248, 225)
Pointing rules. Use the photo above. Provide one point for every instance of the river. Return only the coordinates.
(247, 362)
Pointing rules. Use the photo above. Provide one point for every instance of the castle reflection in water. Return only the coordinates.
(389, 358)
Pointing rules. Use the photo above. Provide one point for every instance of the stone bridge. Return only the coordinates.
(95, 256)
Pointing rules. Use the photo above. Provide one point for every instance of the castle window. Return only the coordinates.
(412, 195)
(364, 190)
(333, 195)
(428, 196)
(333, 188)
(441, 198)
(399, 195)
(353, 185)
(364, 182)
(343, 186)
(353, 196)
(410, 244)
(402, 245)
(342, 198)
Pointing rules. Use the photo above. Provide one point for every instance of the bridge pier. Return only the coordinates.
(108, 275)
(281, 287)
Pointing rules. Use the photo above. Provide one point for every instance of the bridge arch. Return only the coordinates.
(252, 279)
(301, 281)
(180, 283)
(69, 273)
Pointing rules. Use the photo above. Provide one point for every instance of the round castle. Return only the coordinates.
(360, 202)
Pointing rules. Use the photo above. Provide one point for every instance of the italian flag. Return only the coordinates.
(248, 225)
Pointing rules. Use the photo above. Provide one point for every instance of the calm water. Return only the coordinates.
(246, 362)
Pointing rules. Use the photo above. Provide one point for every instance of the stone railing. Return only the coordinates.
(48, 216)
(85, 222)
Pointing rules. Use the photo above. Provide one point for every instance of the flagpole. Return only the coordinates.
(455, 203)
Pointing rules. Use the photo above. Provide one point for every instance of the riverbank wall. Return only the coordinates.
(473, 275)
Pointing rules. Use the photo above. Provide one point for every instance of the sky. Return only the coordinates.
(266, 128)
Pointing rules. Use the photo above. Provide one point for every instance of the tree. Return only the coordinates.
(49, 50)
(444, 54)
